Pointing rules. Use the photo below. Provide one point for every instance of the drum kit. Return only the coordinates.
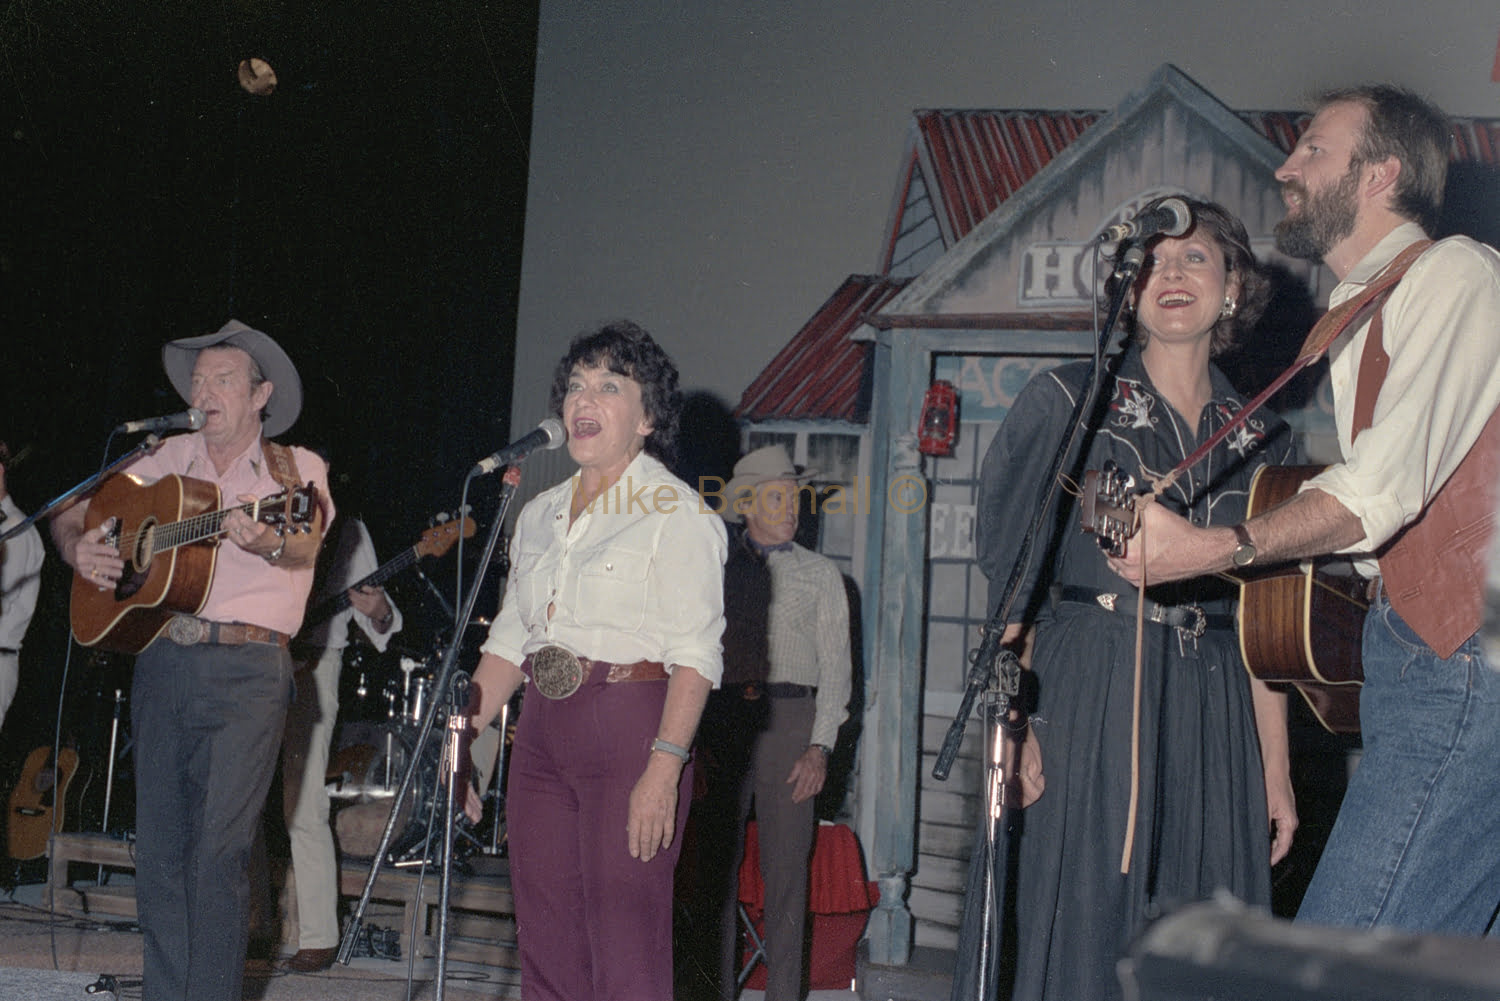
(380, 717)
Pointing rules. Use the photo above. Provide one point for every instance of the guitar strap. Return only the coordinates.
(281, 462)
(282, 465)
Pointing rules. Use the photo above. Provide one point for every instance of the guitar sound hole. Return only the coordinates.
(138, 562)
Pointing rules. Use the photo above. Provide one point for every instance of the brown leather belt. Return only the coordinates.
(188, 630)
(641, 670)
(558, 673)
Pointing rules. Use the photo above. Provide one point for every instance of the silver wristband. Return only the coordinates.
(670, 748)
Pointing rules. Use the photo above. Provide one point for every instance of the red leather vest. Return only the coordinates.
(1434, 569)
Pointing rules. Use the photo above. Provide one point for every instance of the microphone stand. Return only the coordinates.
(995, 678)
(440, 688)
(147, 444)
(436, 594)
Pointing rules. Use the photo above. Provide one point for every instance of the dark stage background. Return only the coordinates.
(368, 215)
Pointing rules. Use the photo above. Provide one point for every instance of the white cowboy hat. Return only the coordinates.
(760, 466)
(178, 358)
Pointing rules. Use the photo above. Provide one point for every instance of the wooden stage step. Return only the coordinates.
(481, 916)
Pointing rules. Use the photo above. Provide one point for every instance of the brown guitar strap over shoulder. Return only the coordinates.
(1374, 361)
(1349, 314)
(281, 462)
(282, 465)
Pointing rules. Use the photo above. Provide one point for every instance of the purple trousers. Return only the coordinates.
(591, 922)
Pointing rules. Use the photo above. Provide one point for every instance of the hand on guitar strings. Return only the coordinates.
(254, 537)
(1169, 547)
(97, 560)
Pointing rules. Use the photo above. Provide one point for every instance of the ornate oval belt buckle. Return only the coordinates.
(184, 630)
(556, 673)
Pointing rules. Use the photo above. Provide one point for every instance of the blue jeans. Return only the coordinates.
(1415, 844)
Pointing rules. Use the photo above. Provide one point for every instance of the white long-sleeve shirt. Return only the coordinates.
(637, 576)
(1442, 332)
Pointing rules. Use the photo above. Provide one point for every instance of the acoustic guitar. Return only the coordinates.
(167, 533)
(36, 803)
(1299, 623)
(436, 541)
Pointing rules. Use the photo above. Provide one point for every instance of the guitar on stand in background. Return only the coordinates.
(36, 803)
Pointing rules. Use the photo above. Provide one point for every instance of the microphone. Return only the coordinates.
(190, 419)
(1171, 218)
(548, 435)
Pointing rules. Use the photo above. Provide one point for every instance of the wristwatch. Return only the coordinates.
(827, 751)
(1244, 553)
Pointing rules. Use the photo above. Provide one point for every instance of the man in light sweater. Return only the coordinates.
(768, 731)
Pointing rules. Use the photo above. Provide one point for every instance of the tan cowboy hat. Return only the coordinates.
(760, 466)
(178, 358)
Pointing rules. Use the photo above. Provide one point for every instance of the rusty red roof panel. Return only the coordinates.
(981, 158)
(821, 374)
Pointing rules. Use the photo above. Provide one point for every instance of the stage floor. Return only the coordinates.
(61, 953)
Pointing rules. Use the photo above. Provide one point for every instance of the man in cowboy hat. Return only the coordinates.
(210, 694)
(768, 731)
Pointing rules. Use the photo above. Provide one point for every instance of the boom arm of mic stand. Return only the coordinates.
(439, 689)
(436, 594)
(145, 445)
(982, 671)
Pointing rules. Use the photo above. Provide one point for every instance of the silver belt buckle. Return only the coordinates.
(184, 630)
(556, 673)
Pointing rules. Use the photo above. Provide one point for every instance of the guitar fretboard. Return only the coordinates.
(195, 529)
(330, 607)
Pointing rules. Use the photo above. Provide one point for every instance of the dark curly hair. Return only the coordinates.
(625, 348)
(1216, 223)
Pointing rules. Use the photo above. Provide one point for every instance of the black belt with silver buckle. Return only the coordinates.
(1191, 619)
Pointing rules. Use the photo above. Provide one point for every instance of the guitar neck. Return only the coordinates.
(330, 607)
(208, 525)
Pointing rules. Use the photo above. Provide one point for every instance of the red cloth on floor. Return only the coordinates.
(839, 899)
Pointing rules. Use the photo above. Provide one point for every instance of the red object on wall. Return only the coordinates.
(839, 900)
(939, 423)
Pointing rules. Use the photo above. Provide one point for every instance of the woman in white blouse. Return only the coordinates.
(613, 614)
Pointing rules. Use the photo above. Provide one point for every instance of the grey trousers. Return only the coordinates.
(207, 722)
(786, 832)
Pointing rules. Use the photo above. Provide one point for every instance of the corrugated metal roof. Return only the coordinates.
(974, 160)
(821, 374)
